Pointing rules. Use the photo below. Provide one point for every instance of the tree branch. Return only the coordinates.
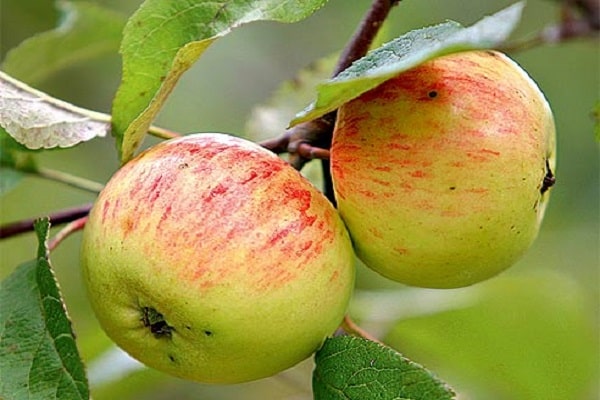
(312, 139)
(363, 37)
(578, 19)
(58, 218)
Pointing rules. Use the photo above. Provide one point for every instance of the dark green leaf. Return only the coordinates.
(164, 38)
(86, 30)
(406, 52)
(38, 355)
(351, 368)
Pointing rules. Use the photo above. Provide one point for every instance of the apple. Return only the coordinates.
(442, 173)
(209, 258)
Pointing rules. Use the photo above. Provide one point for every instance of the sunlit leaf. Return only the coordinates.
(37, 120)
(406, 52)
(38, 355)
(86, 30)
(352, 368)
(164, 38)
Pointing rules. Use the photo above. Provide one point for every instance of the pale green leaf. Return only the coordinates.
(406, 52)
(86, 30)
(37, 120)
(38, 355)
(352, 368)
(164, 38)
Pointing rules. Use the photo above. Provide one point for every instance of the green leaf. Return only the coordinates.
(38, 120)
(85, 31)
(38, 355)
(406, 52)
(349, 368)
(525, 337)
(164, 38)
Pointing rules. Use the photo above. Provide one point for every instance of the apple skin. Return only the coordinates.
(441, 173)
(211, 259)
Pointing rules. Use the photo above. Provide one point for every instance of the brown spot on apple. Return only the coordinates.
(400, 250)
(127, 225)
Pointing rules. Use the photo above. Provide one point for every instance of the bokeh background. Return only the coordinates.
(531, 333)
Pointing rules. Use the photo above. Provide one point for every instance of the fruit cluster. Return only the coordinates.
(210, 258)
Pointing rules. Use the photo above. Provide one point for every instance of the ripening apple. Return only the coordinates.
(441, 173)
(211, 259)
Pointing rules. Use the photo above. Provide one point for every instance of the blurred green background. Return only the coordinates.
(531, 333)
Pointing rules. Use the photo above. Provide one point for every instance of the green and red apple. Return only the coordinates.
(210, 258)
(441, 173)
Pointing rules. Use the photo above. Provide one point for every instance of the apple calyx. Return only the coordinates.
(549, 179)
(156, 322)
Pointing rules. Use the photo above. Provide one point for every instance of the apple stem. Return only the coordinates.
(65, 232)
(57, 218)
(350, 327)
